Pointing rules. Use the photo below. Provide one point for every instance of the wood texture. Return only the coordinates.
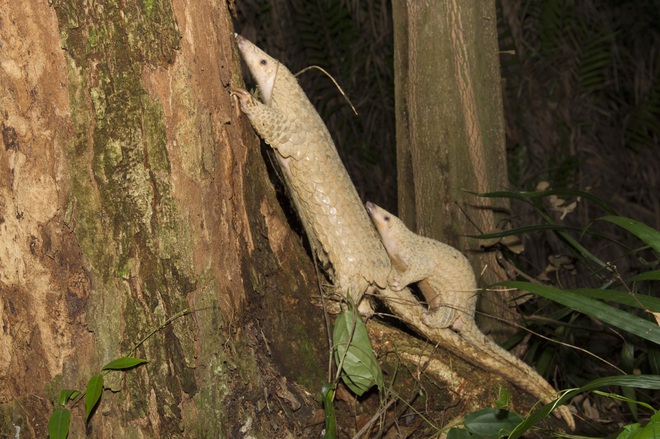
(450, 131)
(129, 192)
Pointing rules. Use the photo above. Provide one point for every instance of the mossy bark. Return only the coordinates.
(450, 129)
(133, 190)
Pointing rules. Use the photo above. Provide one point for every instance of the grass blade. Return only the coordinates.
(594, 308)
(647, 234)
(637, 381)
(529, 196)
(641, 301)
(649, 275)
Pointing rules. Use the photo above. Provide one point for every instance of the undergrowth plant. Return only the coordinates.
(356, 364)
(625, 304)
(60, 419)
(58, 423)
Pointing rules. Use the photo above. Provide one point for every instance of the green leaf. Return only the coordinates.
(542, 228)
(628, 364)
(503, 398)
(647, 234)
(124, 363)
(360, 368)
(649, 275)
(67, 395)
(636, 431)
(58, 424)
(330, 422)
(93, 394)
(528, 196)
(618, 397)
(523, 230)
(629, 431)
(622, 297)
(594, 308)
(491, 423)
(639, 381)
(458, 433)
(653, 354)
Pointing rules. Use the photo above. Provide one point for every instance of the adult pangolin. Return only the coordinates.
(326, 200)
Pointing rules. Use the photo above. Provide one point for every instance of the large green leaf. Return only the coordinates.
(636, 431)
(93, 393)
(491, 423)
(459, 433)
(360, 368)
(58, 424)
(594, 308)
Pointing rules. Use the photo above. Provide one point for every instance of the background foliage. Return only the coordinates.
(582, 106)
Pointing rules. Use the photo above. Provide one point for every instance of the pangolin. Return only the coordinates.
(329, 207)
(448, 283)
(334, 218)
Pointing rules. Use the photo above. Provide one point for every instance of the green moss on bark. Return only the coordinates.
(137, 252)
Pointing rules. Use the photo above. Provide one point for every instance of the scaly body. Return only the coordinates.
(322, 192)
(449, 286)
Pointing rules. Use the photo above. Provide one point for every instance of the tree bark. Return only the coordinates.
(450, 130)
(131, 190)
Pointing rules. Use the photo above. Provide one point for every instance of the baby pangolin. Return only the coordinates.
(448, 283)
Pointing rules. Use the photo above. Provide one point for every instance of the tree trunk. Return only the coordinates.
(130, 194)
(450, 129)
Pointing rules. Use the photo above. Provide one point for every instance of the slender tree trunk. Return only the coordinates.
(130, 192)
(450, 128)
